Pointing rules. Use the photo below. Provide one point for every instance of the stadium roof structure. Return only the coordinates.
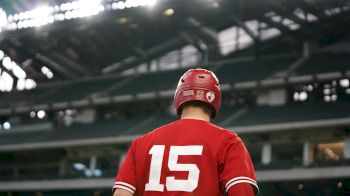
(118, 39)
(77, 55)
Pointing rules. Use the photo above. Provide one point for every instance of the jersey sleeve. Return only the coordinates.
(235, 165)
(126, 178)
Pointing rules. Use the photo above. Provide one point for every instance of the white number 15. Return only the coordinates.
(157, 152)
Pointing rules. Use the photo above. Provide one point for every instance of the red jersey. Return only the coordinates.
(186, 157)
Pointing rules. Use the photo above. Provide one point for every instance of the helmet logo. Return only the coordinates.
(200, 94)
(210, 96)
(187, 93)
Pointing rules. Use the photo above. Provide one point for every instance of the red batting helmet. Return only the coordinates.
(198, 85)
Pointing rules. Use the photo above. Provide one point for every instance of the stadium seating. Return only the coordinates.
(141, 83)
(323, 63)
(79, 90)
(253, 70)
(166, 80)
(151, 82)
(143, 124)
(300, 111)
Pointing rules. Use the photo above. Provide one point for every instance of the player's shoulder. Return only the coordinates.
(154, 132)
(211, 130)
(222, 131)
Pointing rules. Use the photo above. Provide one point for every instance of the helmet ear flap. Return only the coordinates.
(198, 85)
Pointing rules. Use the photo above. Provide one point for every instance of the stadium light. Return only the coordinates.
(2, 55)
(88, 173)
(310, 87)
(21, 84)
(327, 98)
(87, 8)
(303, 96)
(7, 63)
(29, 84)
(56, 8)
(326, 91)
(41, 114)
(215, 5)
(79, 166)
(169, 12)
(334, 97)
(122, 20)
(41, 12)
(300, 96)
(121, 5)
(47, 72)
(6, 125)
(339, 185)
(49, 75)
(6, 82)
(296, 96)
(44, 14)
(344, 83)
(59, 17)
(3, 19)
(151, 3)
(334, 83)
(347, 91)
(32, 114)
(98, 173)
(300, 187)
(18, 71)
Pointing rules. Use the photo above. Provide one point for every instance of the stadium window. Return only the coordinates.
(244, 39)
(154, 65)
(143, 68)
(227, 40)
(128, 72)
(328, 153)
(169, 61)
(287, 155)
(235, 38)
(268, 33)
(290, 24)
(300, 13)
(311, 17)
(189, 56)
(253, 25)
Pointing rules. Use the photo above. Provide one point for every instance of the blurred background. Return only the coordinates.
(79, 80)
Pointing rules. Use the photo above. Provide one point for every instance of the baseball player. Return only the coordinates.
(190, 156)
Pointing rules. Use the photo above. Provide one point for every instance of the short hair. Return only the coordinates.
(207, 108)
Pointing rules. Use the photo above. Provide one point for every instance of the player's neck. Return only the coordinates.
(195, 113)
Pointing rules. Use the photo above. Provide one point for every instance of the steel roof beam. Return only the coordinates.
(207, 35)
(42, 58)
(241, 24)
(154, 52)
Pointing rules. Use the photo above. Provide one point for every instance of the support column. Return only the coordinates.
(346, 152)
(93, 162)
(309, 48)
(266, 154)
(308, 154)
(15, 172)
(62, 167)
